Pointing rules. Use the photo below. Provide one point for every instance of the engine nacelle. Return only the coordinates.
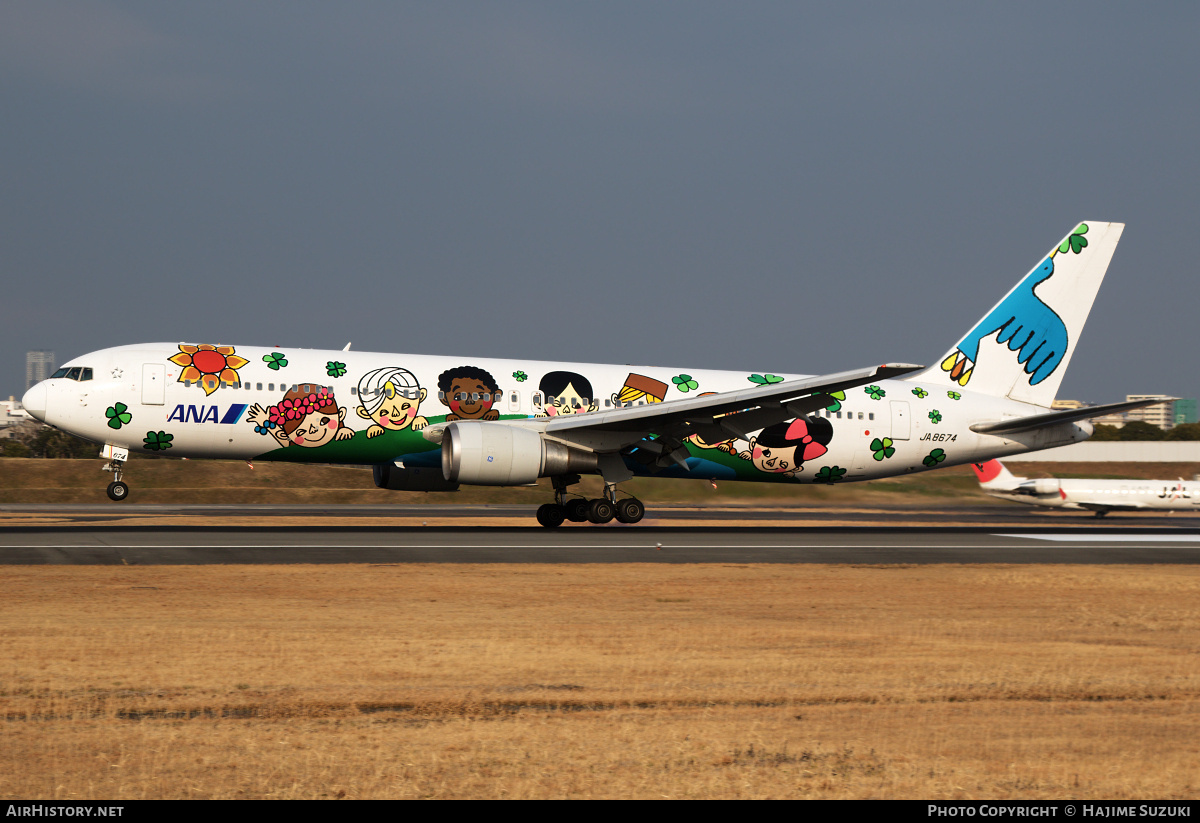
(1040, 487)
(411, 478)
(495, 454)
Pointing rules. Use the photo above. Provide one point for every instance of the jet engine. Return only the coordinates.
(411, 479)
(496, 454)
(1038, 488)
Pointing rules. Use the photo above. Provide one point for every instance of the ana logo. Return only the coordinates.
(206, 414)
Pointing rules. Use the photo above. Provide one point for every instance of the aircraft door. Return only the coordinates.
(901, 422)
(154, 384)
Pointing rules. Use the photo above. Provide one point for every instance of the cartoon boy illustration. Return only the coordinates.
(565, 392)
(721, 445)
(784, 447)
(640, 387)
(469, 392)
(390, 397)
(307, 416)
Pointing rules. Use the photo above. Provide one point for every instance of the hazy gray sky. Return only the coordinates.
(763, 186)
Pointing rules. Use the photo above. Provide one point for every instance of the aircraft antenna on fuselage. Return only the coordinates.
(347, 347)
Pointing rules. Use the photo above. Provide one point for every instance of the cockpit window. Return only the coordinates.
(60, 373)
(73, 374)
(86, 375)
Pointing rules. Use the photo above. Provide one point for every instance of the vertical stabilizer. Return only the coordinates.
(1021, 348)
(993, 475)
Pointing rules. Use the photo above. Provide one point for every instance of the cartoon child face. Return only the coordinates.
(390, 398)
(784, 447)
(777, 459)
(396, 412)
(567, 393)
(639, 387)
(303, 417)
(469, 392)
(569, 402)
(317, 428)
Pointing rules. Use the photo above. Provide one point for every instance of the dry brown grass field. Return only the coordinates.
(621, 681)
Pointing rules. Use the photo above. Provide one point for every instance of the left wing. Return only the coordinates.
(714, 417)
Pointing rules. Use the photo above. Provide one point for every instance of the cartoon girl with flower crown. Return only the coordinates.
(307, 416)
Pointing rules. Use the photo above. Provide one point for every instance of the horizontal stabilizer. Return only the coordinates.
(1037, 421)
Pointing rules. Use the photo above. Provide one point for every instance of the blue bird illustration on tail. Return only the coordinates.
(1022, 321)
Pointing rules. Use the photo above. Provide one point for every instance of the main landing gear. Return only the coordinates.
(578, 510)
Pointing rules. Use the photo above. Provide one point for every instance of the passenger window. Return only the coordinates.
(860, 415)
(537, 398)
(870, 415)
(271, 387)
(839, 415)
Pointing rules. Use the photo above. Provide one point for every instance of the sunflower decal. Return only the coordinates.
(209, 365)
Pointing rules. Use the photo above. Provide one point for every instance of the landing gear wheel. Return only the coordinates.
(117, 490)
(600, 511)
(630, 510)
(576, 510)
(551, 515)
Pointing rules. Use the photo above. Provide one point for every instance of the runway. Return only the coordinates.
(172, 535)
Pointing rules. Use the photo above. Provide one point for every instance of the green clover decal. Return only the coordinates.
(117, 415)
(882, 448)
(275, 360)
(837, 396)
(1076, 242)
(920, 392)
(335, 369)
(935, 416)
(685, 383)
(765, 379)
(934, 457)
(520, 376)
(953, 395)
(157, 441)
(830, 474)
(875, 392)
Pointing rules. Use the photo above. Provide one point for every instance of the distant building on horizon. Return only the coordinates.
(1185, 411)
(1166, 415)
(1161, 414)
(38, 366)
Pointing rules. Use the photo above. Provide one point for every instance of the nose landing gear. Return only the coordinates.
(117, 490)
(578, 510)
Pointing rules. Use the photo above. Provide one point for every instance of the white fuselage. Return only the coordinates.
(1104, 495)
(139, 398)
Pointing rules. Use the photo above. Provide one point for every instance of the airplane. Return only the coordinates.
(1100, 496)
(431, 423)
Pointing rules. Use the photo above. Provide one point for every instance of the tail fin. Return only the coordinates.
(993, 474)
(1021, 348)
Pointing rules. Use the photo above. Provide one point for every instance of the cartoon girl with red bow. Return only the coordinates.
(785, 447)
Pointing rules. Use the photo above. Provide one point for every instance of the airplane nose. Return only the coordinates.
(34, 401)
